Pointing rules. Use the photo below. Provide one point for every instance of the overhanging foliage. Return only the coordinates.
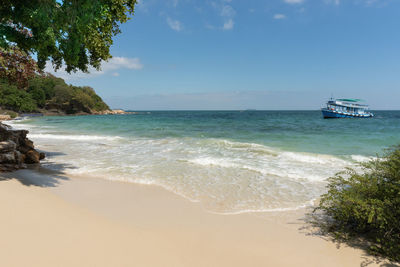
(78, 33)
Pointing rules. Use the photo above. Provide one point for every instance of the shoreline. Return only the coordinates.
(52, 113)
(58, 220)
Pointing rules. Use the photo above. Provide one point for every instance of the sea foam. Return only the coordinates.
(74, 137)
(225, 176)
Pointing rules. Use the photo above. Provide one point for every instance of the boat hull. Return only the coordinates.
(331, 114)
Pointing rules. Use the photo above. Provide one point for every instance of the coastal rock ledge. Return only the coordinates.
(16, 150)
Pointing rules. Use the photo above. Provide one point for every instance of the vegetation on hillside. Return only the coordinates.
(75, 33)
(24, 88)
(50, 93)
(366, 206)
(15, 99)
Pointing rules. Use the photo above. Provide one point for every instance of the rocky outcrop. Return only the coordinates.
(113, 112)
(16, 149)
(4, 117)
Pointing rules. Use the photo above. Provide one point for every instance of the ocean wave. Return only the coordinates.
(294, 165)
(360, 158)
(226, 177)
(74, 137)
(266, 210)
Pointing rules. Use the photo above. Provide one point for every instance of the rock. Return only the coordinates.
(7, 146)
(8, 157)
(8, 167)
(32, 156)
(19, 158)
(113, 112)
(25, 145)
(16, 149)
(5, 117)
(4, 132)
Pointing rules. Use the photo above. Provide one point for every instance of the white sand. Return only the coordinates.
(93, 222)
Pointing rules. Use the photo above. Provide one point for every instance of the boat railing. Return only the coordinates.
(348, 104)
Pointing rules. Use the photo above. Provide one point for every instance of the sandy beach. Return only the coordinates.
(183, 133)
(49, 219)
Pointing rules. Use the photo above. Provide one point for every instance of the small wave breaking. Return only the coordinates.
(225, 176)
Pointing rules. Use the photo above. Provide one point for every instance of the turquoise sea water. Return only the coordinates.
(230, 161)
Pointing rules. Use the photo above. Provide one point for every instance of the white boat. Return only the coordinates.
(346, 108)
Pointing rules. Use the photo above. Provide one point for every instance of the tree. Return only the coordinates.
(16, 66)
(16, 99)
(76, 32)
(47, 83)
(38, 95)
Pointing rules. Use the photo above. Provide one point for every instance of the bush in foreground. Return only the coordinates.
(366, 205)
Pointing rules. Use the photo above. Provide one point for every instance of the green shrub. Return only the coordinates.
(46, 83)
(16, 99)
(12, 114)
(38, 95)
(366, 205)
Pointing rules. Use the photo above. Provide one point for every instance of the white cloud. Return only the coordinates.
(227, 13)
(335, 2)
(113, 64)
(122, 63)
(279, 16)
(140, 5)
(294, 1)
(228, 25)
(176, 25)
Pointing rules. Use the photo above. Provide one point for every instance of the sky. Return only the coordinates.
(252, 54)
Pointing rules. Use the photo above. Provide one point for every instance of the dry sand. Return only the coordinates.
(48, 219)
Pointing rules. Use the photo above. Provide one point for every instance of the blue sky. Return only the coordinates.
(239, 54)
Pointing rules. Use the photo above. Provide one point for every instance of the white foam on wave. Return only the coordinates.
(74, 137)
(359, 158)
(207, 161)
(227, 177)
(302, 206)
(21, 124)
(294, 165)
(309, 158)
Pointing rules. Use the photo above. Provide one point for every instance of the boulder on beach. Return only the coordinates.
(16, 149)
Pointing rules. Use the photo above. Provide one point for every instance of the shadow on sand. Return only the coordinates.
(313, 225)
(46, 174)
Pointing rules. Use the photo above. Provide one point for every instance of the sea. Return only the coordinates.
(229, 161)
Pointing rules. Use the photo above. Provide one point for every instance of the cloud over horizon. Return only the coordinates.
(112, 65)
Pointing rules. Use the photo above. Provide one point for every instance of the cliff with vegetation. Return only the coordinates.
(49, 94)
(25, 88)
